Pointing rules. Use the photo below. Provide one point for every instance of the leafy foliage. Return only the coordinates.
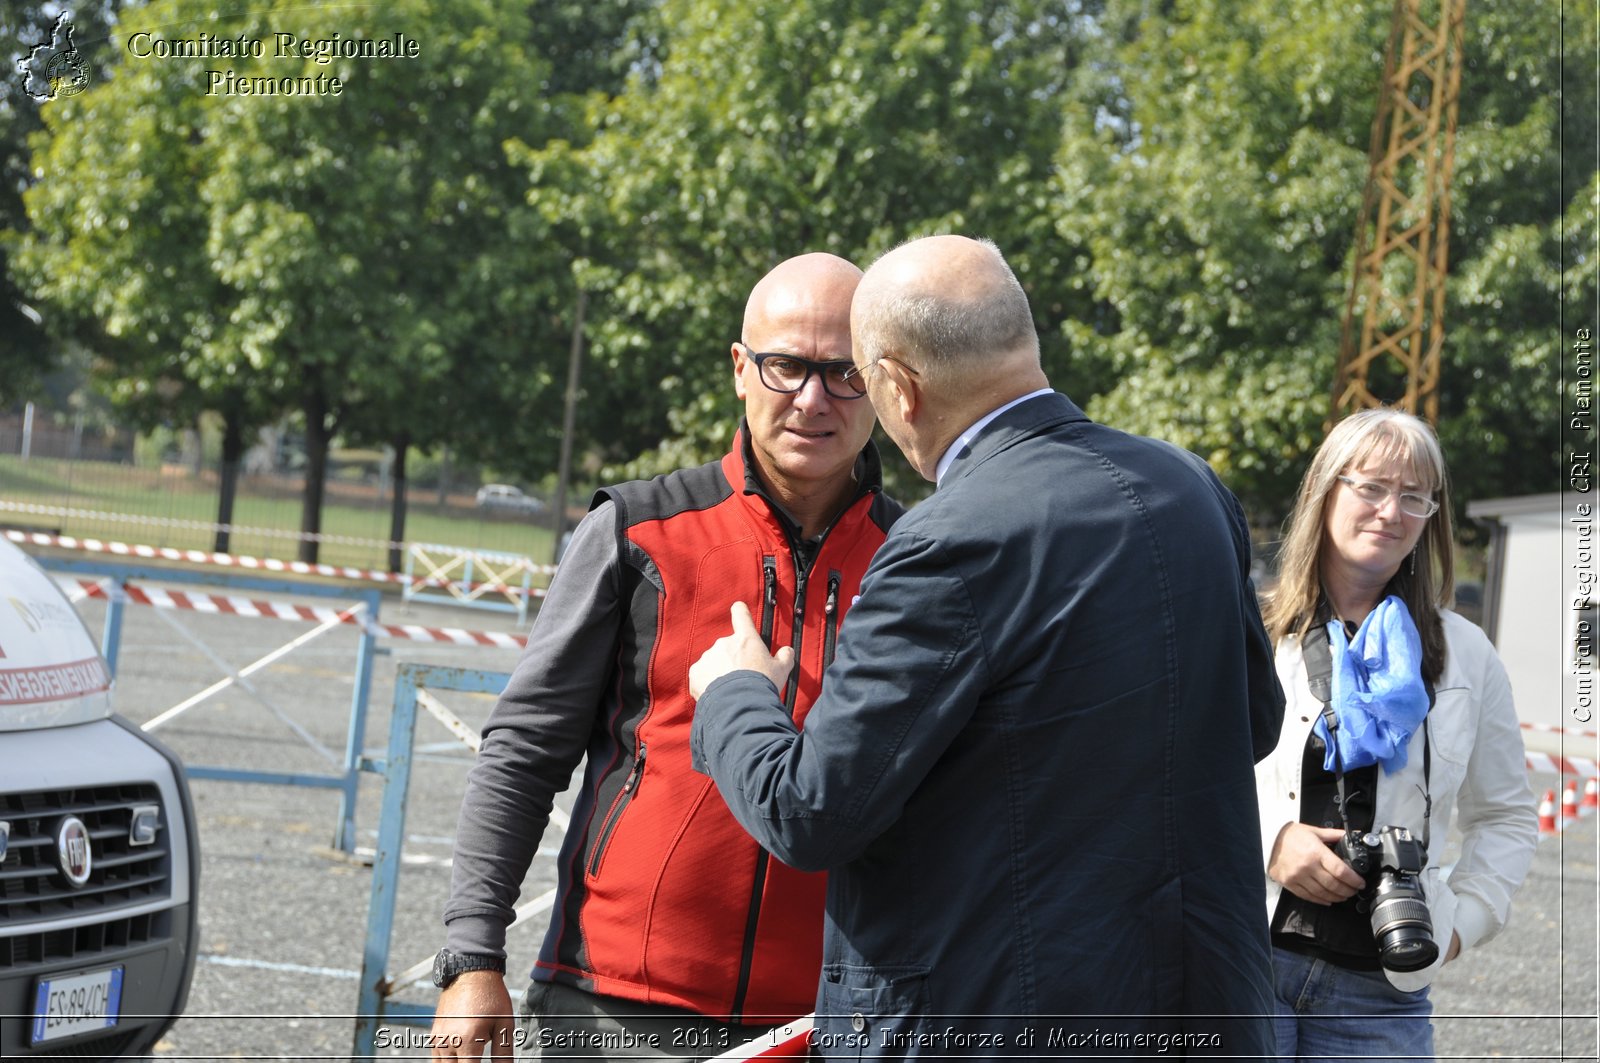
(1220, 209)
(358, 257)
(1176, 184)
(26, 353)
(766, 129)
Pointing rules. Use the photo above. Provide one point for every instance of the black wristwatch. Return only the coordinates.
(447, 966)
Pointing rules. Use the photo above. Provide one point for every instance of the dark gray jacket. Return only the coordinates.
(1030, 771)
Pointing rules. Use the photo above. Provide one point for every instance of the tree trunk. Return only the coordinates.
(317, 437)
(228, 479)
(446, 477)
(397, 509)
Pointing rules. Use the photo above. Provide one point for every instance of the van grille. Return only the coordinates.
(32, 885)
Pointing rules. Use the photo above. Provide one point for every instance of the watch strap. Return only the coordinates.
(447, 966)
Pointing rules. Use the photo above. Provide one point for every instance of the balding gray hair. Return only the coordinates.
(944, 334)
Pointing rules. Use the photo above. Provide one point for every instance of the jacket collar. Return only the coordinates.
(1016, 424)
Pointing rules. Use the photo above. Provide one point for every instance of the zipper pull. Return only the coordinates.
(830, 620)
(769, 597)
(633, 776)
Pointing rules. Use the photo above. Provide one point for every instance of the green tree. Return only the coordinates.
(353, 256)
(26, 351)
(113, 252)
(374, 228)
(1219, 196)
(751, 132)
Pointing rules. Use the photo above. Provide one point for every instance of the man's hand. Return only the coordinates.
(474, 1014)
(1304, 863)
(741, 651)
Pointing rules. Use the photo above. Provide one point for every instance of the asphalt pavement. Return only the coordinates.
(283, 915)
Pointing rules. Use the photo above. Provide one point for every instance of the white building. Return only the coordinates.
(1538, 607)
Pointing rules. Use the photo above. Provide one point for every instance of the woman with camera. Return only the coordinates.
(1399, 718)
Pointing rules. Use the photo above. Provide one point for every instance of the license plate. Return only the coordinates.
(77, 1004)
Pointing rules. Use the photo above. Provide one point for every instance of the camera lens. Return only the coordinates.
(1402, 927)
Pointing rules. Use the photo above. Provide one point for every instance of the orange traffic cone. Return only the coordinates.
(1591, 795)
(1569, 801)
(1547, 813)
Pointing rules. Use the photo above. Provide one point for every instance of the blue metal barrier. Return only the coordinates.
(455, 570)
(374, 1006)
(348, 780)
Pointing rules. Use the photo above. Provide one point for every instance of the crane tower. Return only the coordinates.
(1393, 334)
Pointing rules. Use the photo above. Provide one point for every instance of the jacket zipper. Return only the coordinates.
(748, 955)
(769, 613)
(769, 597)
(830, 620)
(769, 567)
(792, 688)
(609, 825)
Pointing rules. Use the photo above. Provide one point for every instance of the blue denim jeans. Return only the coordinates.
(1328, 1013)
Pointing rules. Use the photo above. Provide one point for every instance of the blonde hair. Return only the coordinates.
(1426, 583)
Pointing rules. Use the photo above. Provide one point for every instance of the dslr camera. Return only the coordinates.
(1391, 861)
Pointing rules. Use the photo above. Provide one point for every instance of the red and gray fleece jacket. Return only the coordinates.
(662, 897)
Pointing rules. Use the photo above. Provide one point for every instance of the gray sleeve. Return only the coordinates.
(535, 737)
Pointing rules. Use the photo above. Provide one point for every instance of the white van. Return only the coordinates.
(99, 862)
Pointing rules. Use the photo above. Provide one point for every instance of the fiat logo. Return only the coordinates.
(72, 850)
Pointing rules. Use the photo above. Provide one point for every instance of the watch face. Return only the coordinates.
(439, 969)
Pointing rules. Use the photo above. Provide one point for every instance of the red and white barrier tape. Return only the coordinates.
(229, 605)
(1579, 766)
(264, 564)
(1551, 729)
(453, 635)
(1582, 767)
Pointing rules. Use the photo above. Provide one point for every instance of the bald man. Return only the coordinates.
(674, 935)
(1030, 772)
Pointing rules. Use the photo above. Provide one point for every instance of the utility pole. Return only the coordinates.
(569, 419)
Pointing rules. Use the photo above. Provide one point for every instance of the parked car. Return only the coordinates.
(99, 853)
(507, 499)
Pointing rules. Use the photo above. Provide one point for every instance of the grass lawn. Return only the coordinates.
(171, 507)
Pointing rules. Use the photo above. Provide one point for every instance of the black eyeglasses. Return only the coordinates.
(1376, 494)
(787, 374)
(857, 378)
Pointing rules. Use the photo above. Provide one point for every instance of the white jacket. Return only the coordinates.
(1478, 768)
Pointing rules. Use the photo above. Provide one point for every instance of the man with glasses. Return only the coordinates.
(1030, 771)
(674, 935)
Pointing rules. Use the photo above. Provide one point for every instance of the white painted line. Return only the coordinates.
(287, 968)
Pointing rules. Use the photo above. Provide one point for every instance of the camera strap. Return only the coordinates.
(1315, 647)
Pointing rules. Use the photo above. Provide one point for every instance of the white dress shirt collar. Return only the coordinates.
(965, 438)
